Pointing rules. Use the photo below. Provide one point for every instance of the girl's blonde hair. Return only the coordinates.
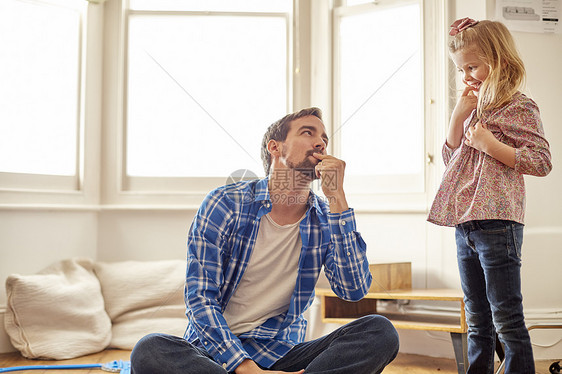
(494, 45)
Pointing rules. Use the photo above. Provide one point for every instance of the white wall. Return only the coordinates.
(143, 235)
(32, 239)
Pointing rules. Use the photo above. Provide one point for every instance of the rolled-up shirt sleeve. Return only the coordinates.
(447, 153)
(347, 266)
(525, 131)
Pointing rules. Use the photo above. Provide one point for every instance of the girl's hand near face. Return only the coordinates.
(465, 105)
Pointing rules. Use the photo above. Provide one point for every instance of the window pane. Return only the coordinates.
(381, 92)
(39, 71)
(202, 91)
(214, 5)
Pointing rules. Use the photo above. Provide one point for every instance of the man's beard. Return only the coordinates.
(306, 167)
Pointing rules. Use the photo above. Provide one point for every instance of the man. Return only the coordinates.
(255, 250)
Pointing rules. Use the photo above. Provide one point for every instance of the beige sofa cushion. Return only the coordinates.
(143, 297)
(58, 313)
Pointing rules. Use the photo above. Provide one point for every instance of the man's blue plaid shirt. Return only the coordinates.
(220, 243)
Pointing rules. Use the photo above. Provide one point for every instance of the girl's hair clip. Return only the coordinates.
(461, 25)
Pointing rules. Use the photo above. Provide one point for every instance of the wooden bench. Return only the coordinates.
(336, 310)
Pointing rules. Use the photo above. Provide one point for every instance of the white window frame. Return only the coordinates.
(121, 189)
(434, 106)
(80, 189)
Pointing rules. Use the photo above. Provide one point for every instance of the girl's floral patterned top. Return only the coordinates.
(476, 186)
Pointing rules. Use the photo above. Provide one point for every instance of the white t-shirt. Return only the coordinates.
(269, 280)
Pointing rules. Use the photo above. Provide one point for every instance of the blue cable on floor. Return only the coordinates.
(123, 367)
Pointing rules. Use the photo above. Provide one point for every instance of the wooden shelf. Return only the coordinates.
(335, 310)
(442, 294)
(397, 278)
(425, 323)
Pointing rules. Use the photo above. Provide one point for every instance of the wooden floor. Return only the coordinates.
(414, 364)
(15, 359)
(404, 363)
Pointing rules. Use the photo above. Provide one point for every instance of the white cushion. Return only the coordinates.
(142, 298)
(57, 313)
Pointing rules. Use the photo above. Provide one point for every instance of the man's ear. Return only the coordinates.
(274, 148)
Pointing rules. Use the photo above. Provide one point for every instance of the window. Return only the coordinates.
(40, 94)
(192, 86)
(203, 81)
(379, 119)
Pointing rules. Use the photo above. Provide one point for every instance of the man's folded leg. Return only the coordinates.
(364, 346)
(167, 354)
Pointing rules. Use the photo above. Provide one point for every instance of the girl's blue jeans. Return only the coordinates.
(489, 258)
(364, 346)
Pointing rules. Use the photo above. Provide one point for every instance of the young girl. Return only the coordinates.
(495, 136)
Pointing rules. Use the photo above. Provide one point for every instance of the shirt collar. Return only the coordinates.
(261, 193)
(315, 200)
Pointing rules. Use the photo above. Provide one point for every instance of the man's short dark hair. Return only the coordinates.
(279, 130)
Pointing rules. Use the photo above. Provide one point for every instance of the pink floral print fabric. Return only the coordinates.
(476, 186)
